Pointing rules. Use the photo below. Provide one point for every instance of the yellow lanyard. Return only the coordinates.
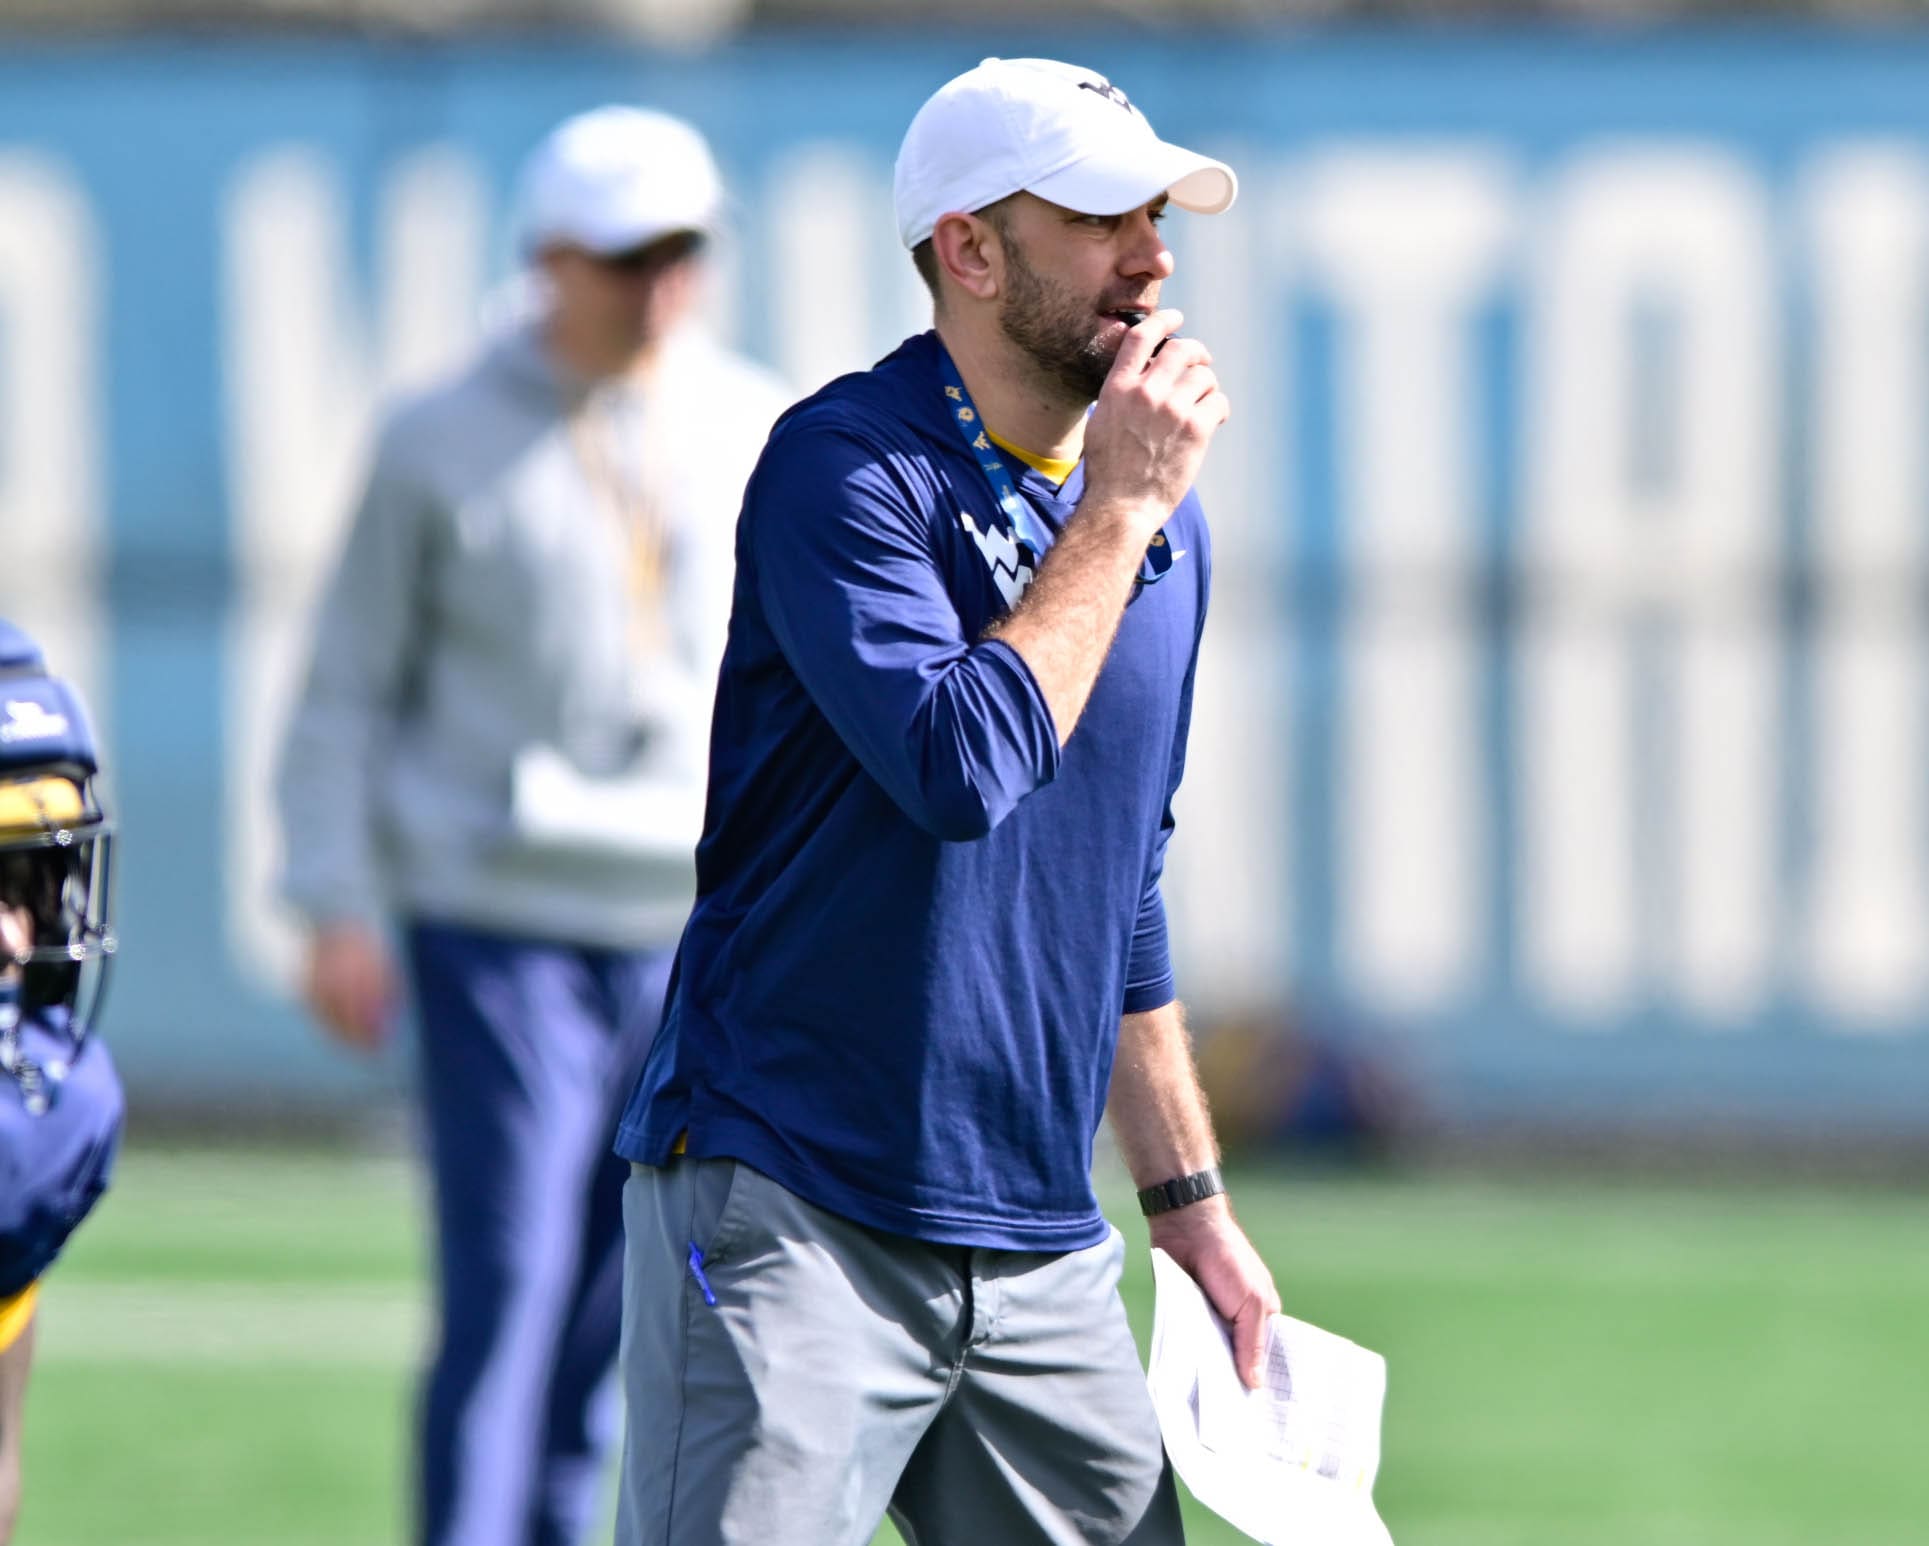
(637, 510)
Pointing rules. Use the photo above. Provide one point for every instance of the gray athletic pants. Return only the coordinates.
(986, 1398)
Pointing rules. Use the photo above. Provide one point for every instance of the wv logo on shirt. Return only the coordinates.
(1012, 564)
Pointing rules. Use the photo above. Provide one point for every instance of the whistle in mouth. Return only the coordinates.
(1132, 316)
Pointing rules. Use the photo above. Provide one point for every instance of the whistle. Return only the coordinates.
(1132, 317)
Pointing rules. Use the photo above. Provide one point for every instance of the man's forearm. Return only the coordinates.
(1063, 627)
(1158, 1111)
(1159, 1116)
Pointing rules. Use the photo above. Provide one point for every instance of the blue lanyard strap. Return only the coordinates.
(1025, 525)
(964, 413)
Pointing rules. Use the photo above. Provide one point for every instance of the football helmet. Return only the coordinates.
(56, 849)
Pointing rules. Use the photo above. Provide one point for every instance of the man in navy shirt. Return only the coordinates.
(865, 1266)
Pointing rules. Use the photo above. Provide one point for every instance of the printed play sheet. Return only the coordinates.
(1291, 1463)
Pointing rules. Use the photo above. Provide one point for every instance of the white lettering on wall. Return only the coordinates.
(307, 367)
(1651, 526)
(1226, 878)
(826, 208)
(1649, 747)
(1409, 245)
(50, 414)
(1865, 212)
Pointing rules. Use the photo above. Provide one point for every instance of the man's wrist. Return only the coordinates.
(1121, 517)
(1171, 1195)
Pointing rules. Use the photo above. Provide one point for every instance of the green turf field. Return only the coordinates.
(225, 1357)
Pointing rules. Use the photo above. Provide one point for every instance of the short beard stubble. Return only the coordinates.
(1057, 331)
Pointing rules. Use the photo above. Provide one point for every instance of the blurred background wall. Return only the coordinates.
(1562, 746)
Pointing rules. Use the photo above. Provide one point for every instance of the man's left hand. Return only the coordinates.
(1206, 1240)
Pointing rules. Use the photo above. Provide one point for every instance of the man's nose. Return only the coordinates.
(1147, 253)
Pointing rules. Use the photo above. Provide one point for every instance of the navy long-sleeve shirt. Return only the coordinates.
(918, 919)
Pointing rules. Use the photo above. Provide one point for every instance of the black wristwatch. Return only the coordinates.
(1168, 1195)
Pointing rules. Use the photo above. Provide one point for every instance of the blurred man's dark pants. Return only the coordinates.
(528, 1050)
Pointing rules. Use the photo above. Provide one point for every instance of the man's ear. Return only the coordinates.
(969, 253)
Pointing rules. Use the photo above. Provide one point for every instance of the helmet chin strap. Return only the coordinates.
(38, 1084)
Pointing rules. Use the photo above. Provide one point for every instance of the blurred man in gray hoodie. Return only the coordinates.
(500, 754)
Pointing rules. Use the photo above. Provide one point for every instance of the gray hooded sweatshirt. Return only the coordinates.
(486, 616)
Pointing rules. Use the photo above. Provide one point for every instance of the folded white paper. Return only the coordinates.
(1291, 1463)
(633, 815)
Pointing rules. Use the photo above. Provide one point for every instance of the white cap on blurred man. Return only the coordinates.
(615, 179)
(1036, 126)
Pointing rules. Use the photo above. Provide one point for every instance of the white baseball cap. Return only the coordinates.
(1036, 126)
(614, 179)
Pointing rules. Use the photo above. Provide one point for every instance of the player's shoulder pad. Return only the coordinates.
(54, 1163)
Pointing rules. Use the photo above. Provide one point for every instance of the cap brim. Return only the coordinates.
(1114, 182)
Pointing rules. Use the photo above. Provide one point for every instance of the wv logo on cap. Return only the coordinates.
(1104, 88)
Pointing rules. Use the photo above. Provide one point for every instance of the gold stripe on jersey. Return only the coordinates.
(15, 1312)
